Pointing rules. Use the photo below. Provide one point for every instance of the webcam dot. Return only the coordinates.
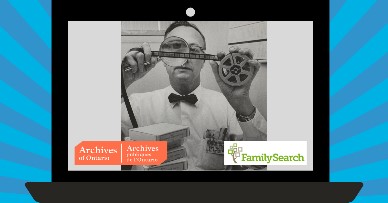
(190, 12)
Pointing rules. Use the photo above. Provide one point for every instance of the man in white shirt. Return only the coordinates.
(201, 109)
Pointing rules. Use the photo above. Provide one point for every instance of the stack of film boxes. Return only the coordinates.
(175, 136)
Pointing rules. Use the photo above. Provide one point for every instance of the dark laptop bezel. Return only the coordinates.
(64, 11)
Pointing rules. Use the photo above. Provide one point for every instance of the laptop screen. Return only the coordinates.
(203, 100)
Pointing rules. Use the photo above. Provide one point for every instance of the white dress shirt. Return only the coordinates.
(212, 111)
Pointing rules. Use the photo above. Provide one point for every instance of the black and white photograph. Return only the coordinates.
(203, 82)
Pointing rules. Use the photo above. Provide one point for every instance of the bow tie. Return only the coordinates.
(191, 98)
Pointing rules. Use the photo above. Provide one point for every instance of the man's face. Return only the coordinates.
(190, 71)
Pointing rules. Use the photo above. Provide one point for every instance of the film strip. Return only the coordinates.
(233, 69)
(184, 55)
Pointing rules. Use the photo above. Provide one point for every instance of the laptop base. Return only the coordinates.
(193, 191)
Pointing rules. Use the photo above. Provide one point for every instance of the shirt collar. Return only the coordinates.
(197, 93)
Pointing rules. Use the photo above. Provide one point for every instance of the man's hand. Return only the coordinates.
(136, 65)
(238, 96)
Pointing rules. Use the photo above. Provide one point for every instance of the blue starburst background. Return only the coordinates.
(358, 96)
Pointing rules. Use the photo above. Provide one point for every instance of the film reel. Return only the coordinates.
(234, 69)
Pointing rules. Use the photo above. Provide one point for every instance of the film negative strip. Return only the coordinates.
(233, 69)
(184, 55)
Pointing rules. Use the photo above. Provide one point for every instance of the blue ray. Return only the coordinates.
(22, 172)
(23, 84)
(24, 35)
(362, 173)
(23, 105)
(24, 157)
(25, 125)
(363, 31)
(368, 199)
(349, 14)
(14, 53)
(16, 198)
(11, 185)
(46, 4)
(34, 14)
(335, 7)
(376, 48)
(20, 140)
(369, 138)
(373, 98)
(375, 187)
(371, 77)
(370, 155)
(368, 120)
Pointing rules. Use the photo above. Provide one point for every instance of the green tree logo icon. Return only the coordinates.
(235, 151)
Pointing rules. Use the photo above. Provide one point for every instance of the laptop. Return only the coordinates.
(72, 183)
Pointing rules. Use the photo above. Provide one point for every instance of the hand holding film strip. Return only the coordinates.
(137, 63)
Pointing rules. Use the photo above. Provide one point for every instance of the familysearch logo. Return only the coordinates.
(235, 151)
(265, 152)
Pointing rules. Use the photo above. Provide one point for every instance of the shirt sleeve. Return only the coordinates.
(255, 129)
(259, 122)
